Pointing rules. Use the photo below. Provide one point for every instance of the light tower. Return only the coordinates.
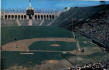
(30, 13)
(30, 10)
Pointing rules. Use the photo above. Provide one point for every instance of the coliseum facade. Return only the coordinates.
(22, 16)
(11, 17)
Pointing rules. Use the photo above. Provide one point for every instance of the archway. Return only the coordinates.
(47, 17)
(35, 16)
(38, 16)
(24, 16)
(41, 16)
(44, 17)
(15, 16)
(21, 16)
(12, 16)
(8, 16)
(52, 16)
(5, 16)
(18, 16)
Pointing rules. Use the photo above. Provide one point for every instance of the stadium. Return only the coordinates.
(58, 40)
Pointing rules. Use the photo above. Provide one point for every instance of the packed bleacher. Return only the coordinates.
(96, 28)
(8, 23)
(25, 22)
(92, 66)
(92, 22)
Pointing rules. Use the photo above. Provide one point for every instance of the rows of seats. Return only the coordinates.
(92, 22)
(92, 66)
(8, 23)
(25, 22)
(97, 28)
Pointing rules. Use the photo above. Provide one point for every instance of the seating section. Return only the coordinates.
(8, 23)
(92, 22)
(25, 22)
(96, 28)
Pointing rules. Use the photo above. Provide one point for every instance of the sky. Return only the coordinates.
(46, 4)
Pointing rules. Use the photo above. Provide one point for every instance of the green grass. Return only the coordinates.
(15, 58)
(46, 45)
(25, 32)
(13, 33)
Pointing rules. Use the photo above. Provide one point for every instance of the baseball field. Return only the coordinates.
(46, 48)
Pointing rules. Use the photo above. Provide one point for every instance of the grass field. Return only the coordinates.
(25, 32)
(46, 45)
(31, 37)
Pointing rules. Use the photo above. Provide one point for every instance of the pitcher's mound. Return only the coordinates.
(55, 45)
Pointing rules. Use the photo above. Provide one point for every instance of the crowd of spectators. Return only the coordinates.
(93, 66)
(96, 28)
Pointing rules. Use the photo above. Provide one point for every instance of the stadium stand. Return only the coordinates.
(92, 22)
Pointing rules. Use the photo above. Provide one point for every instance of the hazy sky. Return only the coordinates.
(46, 4)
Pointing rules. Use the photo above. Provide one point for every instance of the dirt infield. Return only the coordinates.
(23, 45)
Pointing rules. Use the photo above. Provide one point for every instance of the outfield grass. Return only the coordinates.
(14, 33)
(15, 58)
